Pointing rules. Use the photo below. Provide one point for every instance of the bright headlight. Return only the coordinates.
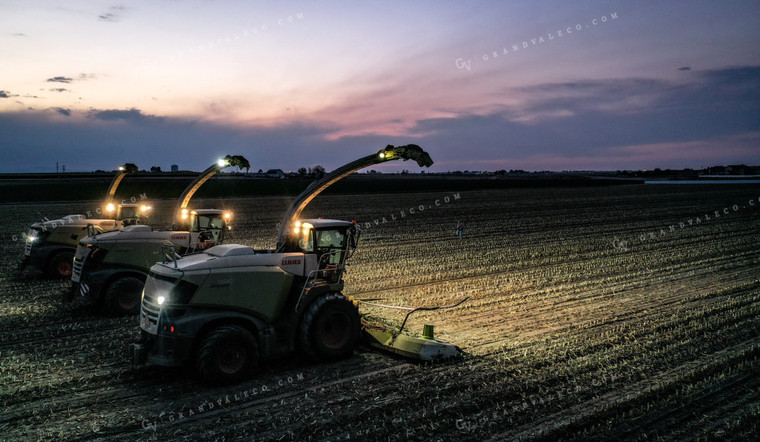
(222, 162)
(161, 300)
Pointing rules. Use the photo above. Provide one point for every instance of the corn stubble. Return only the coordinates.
(565, 335)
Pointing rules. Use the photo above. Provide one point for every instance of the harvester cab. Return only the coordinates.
(50, 244)
(110, 268)
(205, 226)
(326, 245)
(129, 214)
(230, 306)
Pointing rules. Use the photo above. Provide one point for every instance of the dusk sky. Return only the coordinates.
(481, 85)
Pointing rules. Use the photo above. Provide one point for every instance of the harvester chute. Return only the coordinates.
(389, 153)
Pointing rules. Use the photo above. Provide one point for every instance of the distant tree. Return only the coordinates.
(500, 172)
(318, 172)
(302, 171)
(155, 168)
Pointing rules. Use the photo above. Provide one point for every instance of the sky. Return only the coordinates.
(480, 85)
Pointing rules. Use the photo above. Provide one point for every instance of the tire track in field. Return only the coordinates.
(557, 423)
(655, 313)
(54, 331)
(264, 402)
(129, 430)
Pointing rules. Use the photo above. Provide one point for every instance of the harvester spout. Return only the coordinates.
(123, 171)
(408, 152)
(389, 153)
(221, 164)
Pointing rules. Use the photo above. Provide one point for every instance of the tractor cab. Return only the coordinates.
(206, 226)
(332, 241)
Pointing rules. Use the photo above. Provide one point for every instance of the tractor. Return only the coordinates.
(50, 244)
(228, 307)
(110, 268)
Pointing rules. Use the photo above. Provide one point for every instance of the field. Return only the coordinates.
(628, 312)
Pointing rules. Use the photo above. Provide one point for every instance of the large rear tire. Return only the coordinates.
(330, 328)
(228, 355)
(61, 265)
(123, 296)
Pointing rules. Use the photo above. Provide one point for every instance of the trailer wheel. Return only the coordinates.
(61, 265)
(229, 354)
(123, 296)
(330, 328)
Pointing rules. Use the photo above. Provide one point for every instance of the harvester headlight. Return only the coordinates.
(160, 300)
(110, 207)
(145, 208)
(382, 154)
(303, 228)
(184, 214)
(222, 162)
(227, 215)
(122, 168)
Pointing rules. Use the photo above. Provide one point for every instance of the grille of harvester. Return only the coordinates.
(150, 309)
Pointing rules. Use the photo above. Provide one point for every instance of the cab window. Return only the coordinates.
(330, 239)
(207, 223)
(129, 212)
(331, 242)
(306, 241)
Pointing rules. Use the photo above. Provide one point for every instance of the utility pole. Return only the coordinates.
(56, 167)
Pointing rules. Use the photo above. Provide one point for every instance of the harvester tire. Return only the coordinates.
(228, 354)
(61, 265)
(123, 296)
(330, 328)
